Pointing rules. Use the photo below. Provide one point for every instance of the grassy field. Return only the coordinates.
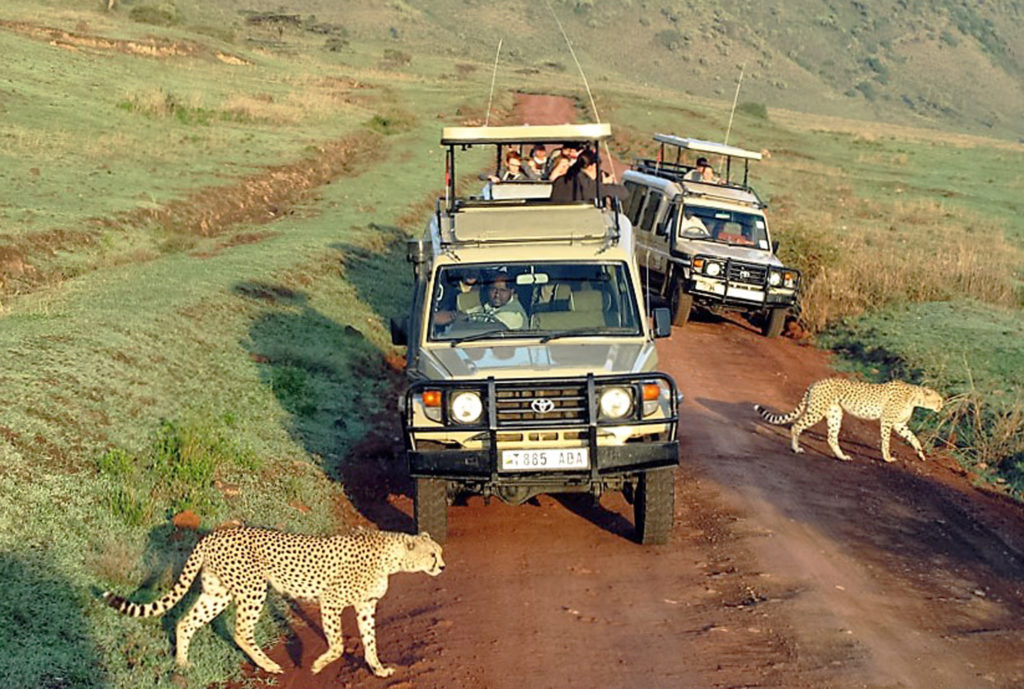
(202, 235)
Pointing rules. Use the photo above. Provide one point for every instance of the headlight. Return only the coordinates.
(466, 407)
(713, 269)
(615, 403)
(774, 279)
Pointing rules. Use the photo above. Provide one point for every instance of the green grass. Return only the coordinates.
(200, 259)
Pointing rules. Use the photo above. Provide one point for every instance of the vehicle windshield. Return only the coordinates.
(546, 300)
(727, 227)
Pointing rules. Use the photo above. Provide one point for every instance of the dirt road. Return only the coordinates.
(783, 570)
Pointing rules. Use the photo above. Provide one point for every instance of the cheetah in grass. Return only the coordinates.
(892, 403)
(339, 571)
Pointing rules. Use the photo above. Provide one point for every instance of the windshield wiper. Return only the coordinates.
(497, 332)
(586, 331)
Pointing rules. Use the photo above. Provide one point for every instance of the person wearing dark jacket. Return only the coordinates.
(580, 182)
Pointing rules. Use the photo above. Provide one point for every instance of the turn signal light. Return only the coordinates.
(431, 398)
(651, 391)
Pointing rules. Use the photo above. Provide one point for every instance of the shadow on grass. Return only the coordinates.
(44, 638)
(339, 394)
(380, 274)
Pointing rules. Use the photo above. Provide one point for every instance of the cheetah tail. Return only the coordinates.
(158, 607)
(783, 419)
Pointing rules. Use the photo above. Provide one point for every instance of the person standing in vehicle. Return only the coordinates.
(580, 182)
(512, 170)
(536, 166)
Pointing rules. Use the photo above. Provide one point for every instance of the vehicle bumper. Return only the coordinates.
(610, 460)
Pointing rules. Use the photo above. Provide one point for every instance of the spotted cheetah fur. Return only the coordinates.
(339, 571)
(892, 403)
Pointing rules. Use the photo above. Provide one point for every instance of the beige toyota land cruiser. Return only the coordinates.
(531, 359)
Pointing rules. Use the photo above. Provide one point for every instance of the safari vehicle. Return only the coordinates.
(531, 359)
(704, 243)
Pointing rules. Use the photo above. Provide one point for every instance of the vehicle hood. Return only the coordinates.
(737, 253)
(550, 360)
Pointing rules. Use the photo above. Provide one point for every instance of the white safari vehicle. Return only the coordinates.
(531, 359)
(704, 241)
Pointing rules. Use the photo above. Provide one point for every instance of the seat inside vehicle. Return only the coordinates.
(584, 308)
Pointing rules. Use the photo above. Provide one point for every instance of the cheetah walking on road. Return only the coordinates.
(891, 403)
(339, 571)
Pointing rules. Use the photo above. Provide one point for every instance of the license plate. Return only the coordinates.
(748, 294)
(545, 460)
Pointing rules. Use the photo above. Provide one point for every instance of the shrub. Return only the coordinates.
(158, 15)
(758, 110)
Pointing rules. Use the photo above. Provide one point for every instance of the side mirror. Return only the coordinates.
(662, 322)
(775, 246)
(400, 331)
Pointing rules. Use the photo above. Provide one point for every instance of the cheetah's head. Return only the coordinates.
(930, 399)
(423, 555)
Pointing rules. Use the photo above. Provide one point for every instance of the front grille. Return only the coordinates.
(515, 403)
(747, 274)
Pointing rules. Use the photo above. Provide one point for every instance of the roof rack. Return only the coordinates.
(525, 134)
(677, 170)
(710, 147)
(467, 137)
(566, 224)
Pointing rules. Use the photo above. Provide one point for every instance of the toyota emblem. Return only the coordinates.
(744, 274)
(542, 405)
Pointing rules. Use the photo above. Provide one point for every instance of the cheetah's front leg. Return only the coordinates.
(909, 436)
(366, 616)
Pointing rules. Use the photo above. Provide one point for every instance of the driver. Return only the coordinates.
(501, 304)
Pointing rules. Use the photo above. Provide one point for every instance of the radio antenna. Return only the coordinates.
(734, 99)
(494, 75)
(583, 76)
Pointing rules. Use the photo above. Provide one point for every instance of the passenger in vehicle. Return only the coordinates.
(512, 171)
(536, 166)
(703, 172)
(559, 168)
(568, 152)
(579, 183)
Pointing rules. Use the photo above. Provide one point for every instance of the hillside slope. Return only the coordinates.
(943, 63)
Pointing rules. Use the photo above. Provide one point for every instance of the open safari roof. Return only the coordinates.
(525, 134)
(698, 146)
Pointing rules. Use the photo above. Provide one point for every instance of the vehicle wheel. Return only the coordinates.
(773, 323)
(430, 507)
(654, 506)
(680, 305)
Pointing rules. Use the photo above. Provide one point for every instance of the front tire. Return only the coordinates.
(654, 506)
(774, 322)
(430, 507)
(680, 305)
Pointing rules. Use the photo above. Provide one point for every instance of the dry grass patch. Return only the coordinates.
(924, 251)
